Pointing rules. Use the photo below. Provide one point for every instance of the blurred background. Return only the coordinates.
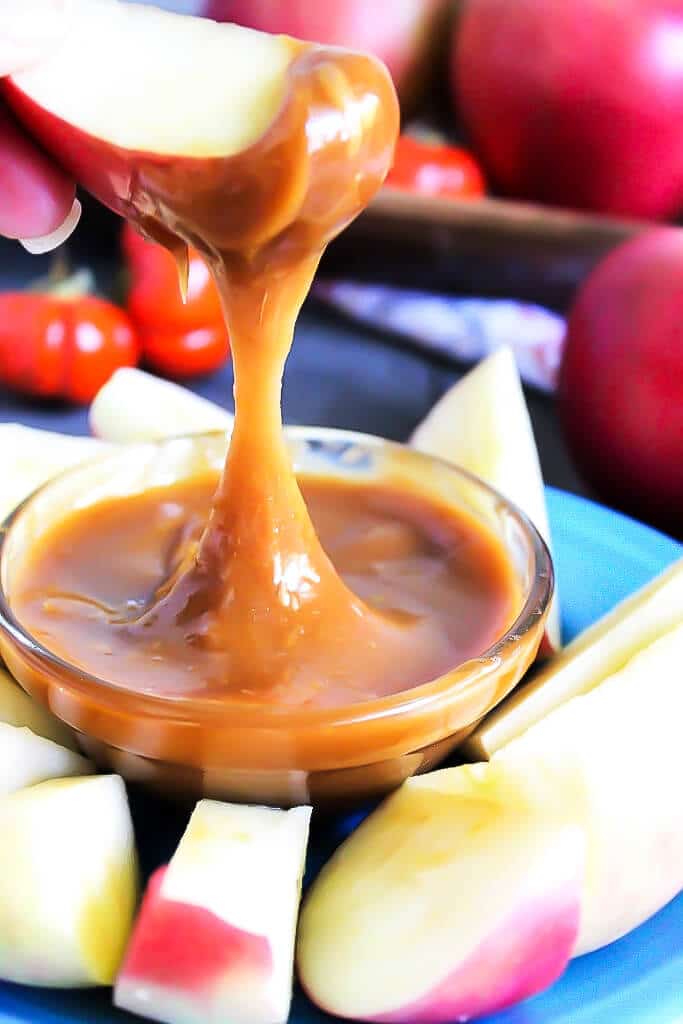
(533, 202)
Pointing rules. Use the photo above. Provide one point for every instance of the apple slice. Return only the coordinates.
(18, 709)
(215, 938)
(29, 458)
(26, 759)
(135, 406)
(482, 423)
(206, 139)
(598, 652)
(218, 105)
(621, 746)
(459, 896)
(68, 882)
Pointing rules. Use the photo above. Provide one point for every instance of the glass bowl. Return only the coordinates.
(275, 755)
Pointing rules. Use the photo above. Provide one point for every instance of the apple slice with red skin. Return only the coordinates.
(458, 897)
(215, 937)
(204, 139)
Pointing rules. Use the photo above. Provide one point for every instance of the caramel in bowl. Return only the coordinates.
(279, 753)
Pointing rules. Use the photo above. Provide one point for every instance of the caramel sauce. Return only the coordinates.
(402, 563)
(246, 602)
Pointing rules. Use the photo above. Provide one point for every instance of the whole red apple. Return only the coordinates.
(400, 32)
(576, 102)
(621, 379)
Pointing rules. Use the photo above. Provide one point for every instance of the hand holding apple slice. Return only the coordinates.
(215, 938)
(136, 406)
(68, 882)
(482, 423)
(26, 759)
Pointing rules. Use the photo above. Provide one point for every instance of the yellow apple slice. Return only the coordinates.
(135, 406)
(18, 709)
(26, 759)
(29, 458)
(621, 744)
(599, 651)
(482, 423)
(499, 872)
(458, 897)
(215, 937)
(68, 882)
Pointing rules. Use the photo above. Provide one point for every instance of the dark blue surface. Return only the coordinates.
(600, 558)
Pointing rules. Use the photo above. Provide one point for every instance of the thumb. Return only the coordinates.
(29, 30)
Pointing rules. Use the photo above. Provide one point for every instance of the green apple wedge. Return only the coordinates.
(599, 651)
(18, 709)
(136, 406)
(68, 882)
(26, 759)
(482, 423)
(501, 871)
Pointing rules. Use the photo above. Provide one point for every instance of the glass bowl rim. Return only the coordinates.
(536, 601)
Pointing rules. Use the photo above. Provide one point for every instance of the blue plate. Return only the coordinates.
(600, 557)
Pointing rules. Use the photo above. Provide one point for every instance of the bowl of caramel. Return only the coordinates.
(241, 650)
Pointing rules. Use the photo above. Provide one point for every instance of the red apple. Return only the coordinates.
(577, 103)
(402, 34)
(621, 379)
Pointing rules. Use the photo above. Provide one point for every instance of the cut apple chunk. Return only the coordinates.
(215, 937)
(135, 406)
(240, 79)
(620, 745)
(458, 897)
(68, 882)
(26, 759)
(18, 709)
(29, 458)
(482, 423)
(602, 649)
(498, 872)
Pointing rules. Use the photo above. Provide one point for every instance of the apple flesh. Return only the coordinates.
(620, 388)
(215, 938)
(68, 882)
(590, 658)
(29, 458)
(136, 406)
(20, 710)
(620, 746)
(579, 118)
(458, 897)
(482, 424)
(26, 759)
